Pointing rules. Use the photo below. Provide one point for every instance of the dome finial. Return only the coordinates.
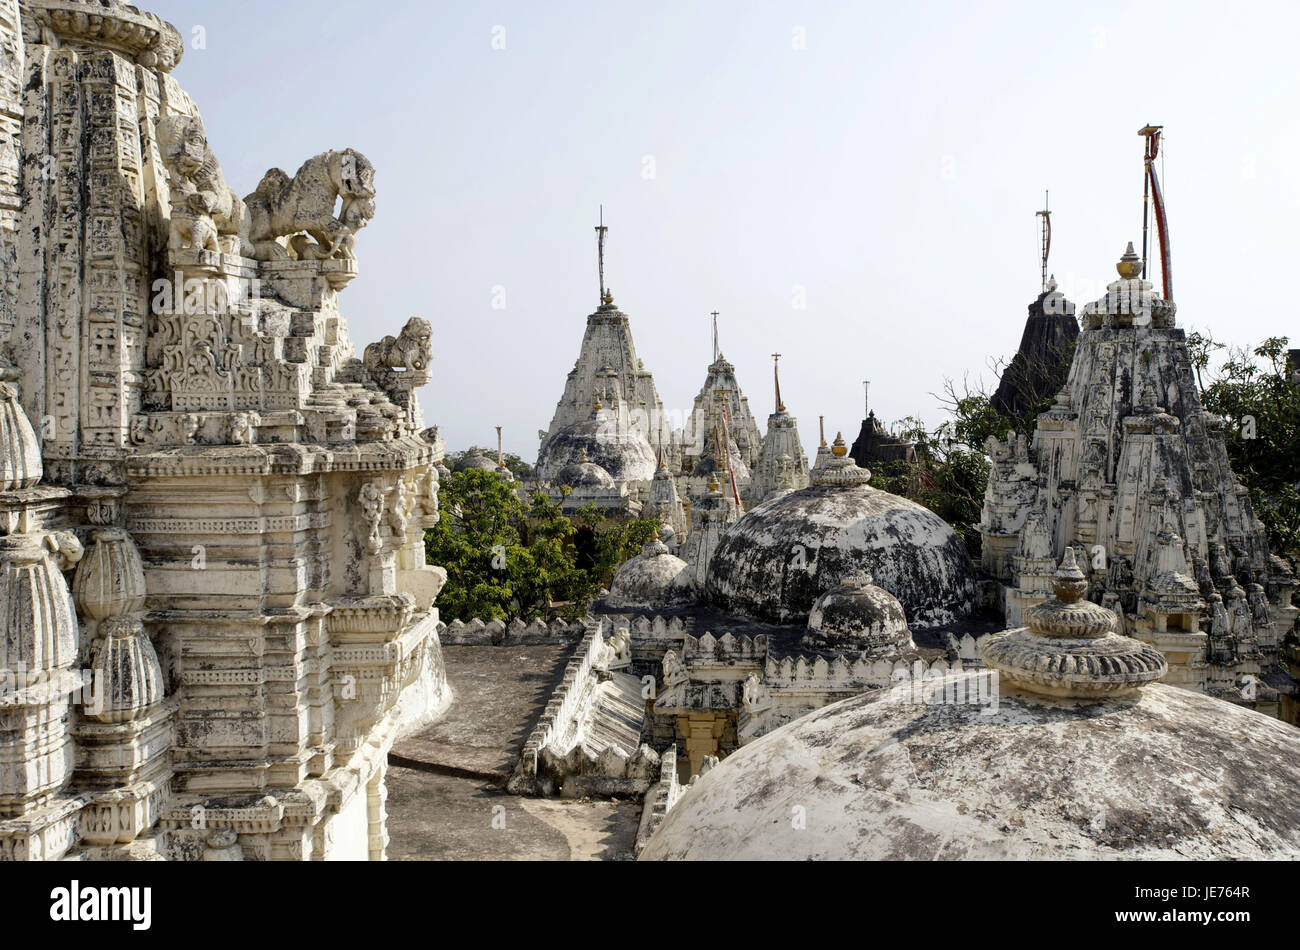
(1070, 648)
(1130, 265)
(839, 449)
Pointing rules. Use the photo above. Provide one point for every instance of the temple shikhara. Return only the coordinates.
(219, 631)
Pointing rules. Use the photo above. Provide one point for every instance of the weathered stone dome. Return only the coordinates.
(584, 474)
(1168, 774)
(779, 558)
(1067, 749)
(476, 459)
(654, 578)
(857, 615)
(619, 449)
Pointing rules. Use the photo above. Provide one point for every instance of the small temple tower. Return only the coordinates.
(1039, 368)
(706, 415)
(666, 505)
(608, 371)
(781, 464)
(711, 515)
(1127, 468)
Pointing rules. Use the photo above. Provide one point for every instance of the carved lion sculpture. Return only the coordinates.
(411, 351)
(198, 183)
(286, 207)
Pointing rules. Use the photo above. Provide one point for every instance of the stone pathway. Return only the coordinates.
(445, 785)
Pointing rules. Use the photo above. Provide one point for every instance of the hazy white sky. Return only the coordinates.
(886, 158)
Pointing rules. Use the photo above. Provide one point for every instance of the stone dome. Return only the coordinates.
(779, 558)
(1167, 774)
(475, 459)
(584, 474)
(620, 450)
(1066, 749)
(856, 615)
(654, 578)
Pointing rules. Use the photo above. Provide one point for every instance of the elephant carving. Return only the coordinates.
(302, 208)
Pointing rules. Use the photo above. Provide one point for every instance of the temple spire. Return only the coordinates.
(776, 378)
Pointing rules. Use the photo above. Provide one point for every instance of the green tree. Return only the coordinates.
(504, 560)
(951, 472)
(1261, 408)
(613, 540)
(507, 559)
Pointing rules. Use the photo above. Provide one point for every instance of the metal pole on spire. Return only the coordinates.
(726, 439)
(501, 459)
(866, 405)
(776, 378)
(600, 253)
(1046, 215)
(1152, 134)
(716, 353)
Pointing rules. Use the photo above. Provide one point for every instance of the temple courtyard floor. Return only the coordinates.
(446, 785)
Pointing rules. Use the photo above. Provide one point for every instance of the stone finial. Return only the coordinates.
(1051, 284)
(1070, 648)
(1130, 265)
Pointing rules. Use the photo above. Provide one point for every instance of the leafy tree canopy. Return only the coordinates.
(1251, 391)
(506, 559)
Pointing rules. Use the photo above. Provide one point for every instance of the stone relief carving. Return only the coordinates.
(372, 509)
(284, 207)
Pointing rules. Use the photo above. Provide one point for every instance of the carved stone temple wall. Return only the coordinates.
(1128, 469)
(215, 611)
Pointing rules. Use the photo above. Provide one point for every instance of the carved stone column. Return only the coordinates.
(124, 738)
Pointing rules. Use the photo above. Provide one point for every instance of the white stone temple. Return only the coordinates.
(1129, 470)
(215, 611)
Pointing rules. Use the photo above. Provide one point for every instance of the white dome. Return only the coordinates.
(1167, 774)
(654, 578)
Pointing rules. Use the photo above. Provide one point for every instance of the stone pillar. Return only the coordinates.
(125, 734)
(377, 814)
(11, 199)
(38, 653)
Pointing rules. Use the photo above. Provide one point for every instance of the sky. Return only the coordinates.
(853, 185)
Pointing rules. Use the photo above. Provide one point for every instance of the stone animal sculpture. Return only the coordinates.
(198, 183)
(410, 351)
(284, 207)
